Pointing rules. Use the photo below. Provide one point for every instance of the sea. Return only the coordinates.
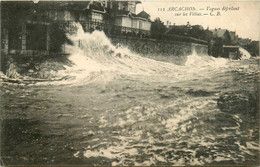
(113, 107)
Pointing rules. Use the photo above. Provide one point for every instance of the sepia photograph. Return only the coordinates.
(129, 83)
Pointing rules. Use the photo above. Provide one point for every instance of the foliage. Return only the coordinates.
(198, 32)
(195, 31)
(157, 28)
(178, 30)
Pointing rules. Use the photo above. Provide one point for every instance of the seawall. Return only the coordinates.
(40, 64)
(175, 52)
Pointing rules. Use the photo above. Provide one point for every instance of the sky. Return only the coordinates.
(244, 20)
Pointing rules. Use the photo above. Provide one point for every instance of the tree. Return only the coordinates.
(157, 28)
(198, 32)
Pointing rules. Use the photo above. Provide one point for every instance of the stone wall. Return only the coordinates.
(169, 51)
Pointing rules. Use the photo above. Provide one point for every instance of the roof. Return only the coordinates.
(219, 32)
(124, 13)
(143, 14)
(96, 6)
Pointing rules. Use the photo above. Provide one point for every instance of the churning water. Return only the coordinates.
(245, 53)
(118, 108)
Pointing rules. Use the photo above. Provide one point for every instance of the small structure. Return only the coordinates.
(231, 52)
(220, 37)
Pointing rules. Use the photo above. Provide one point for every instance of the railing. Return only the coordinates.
(112, 29)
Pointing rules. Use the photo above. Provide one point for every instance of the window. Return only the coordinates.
(131, 6)
(134, 24)
(15, 37)
(97, 17)
(140, 24)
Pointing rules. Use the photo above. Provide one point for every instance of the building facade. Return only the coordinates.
(124, 15)
(29, 27)
(222, 34)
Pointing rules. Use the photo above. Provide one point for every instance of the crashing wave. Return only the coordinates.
(244, 54)
(94, 57)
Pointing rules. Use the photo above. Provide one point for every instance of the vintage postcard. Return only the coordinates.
(129, 83)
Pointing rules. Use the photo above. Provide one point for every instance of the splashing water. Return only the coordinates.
(95, 57)
(205, 61)
(94, 52)
(245, 54)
